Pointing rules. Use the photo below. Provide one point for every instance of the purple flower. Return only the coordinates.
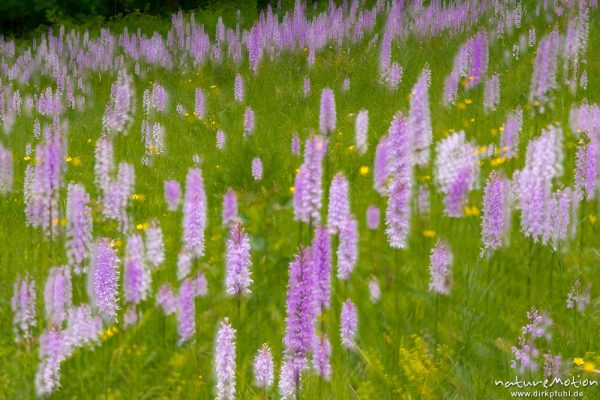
(374, 290)
(347, 251)
(104, 280)
(339, 204)
(23, 307)
(137, 278)
(184, 264)
(586, 170)
(257, 169)
(199, 105)
(395, 76)
(526, 354)
(397, 216)
(543, 79)
(53, 351)
(491, 95)
(237, 280)
(230, 208)
(166, 300)
(225, 361)
(155, 247)
(578, 299)
(321, 261)
(194, 213)
(419, 119)
(509, 139)
(263, 368)
(321, 356)
(495, 222)
(248, 122)
(308, 183)
(327, 117)
(83, 328)
(380, 166)
(79, 226)
(439, 268)
(172, 195)
(186, 312)
(458, 192)
(238, 88)
(6, 171)
(306, 87)
(120, 109)
(348, 325)
(220, 138)
(300, 318)
(58, 295)
(373, 217)
(361, 128)
(296, 144)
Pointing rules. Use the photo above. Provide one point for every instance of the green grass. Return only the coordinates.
(399, 355)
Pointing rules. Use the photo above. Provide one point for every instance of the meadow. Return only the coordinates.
(350, 200)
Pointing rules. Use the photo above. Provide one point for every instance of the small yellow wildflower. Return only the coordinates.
(471, 211)
(592, 218)
(55, 221)
(578, 361)
(536, 103)
(364, 170)
(350, 149)
(472, 119)
(428, 233)
(26, 158)
(589, 367)
(468, 101)
(142, 227)
(68, 159)
(63, 222)
(497, 161)
(501, 129)
(292, 189)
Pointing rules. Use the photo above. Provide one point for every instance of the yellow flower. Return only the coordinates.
(292, 189)
(578, 361)
(472, 211)
(139, 197)
(472, 120)
(364, 170)
(501, 129)
(350, 149)
(589, 367)
(468, 101)
(63, 222)
(68, 159)
(471, 78)
(592, 219)
(142, 227)
(213, 86)
(497, 161)
(428, 233)
(26, 158)
(461, 106)
(536, 103)
(77, 161)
